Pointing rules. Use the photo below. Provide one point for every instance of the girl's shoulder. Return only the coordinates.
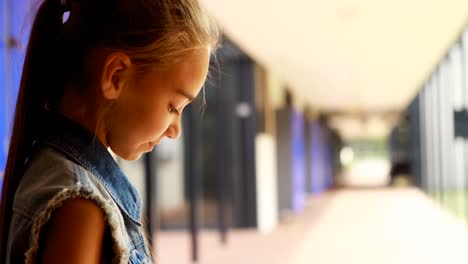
(51, 178)
(48, 174)
(49, 181)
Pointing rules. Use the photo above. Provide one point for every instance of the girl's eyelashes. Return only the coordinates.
(173, 110)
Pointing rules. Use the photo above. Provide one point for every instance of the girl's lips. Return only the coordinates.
(152, 145)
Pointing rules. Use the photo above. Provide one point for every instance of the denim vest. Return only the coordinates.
(70, 162)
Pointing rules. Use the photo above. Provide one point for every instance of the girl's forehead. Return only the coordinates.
(184, 78)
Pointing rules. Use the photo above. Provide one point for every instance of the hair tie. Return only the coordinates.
(66, 5)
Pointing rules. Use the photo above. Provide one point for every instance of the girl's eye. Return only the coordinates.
(173, 110)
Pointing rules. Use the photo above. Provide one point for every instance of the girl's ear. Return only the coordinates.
(115, 73)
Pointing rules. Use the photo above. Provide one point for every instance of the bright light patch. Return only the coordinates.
(346, 156)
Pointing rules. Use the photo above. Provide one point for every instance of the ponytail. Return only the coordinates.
(37, 88)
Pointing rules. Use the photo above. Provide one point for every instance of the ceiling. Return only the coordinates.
(346, 55)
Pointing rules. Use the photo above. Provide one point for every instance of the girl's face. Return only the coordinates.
(150, 107)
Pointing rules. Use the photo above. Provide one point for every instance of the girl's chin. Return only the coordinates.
(134, 157)
(131, 156)
(136, 154)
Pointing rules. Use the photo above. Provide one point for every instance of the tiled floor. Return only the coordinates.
(359, 227)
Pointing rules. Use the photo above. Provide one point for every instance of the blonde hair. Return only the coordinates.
(182, 27)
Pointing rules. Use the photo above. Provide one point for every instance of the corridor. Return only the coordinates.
(385, 226)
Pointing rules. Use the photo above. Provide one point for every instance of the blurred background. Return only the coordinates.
(336, 132)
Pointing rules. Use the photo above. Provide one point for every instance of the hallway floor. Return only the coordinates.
(394, 226)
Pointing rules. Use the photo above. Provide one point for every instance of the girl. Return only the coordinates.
(116, 75)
